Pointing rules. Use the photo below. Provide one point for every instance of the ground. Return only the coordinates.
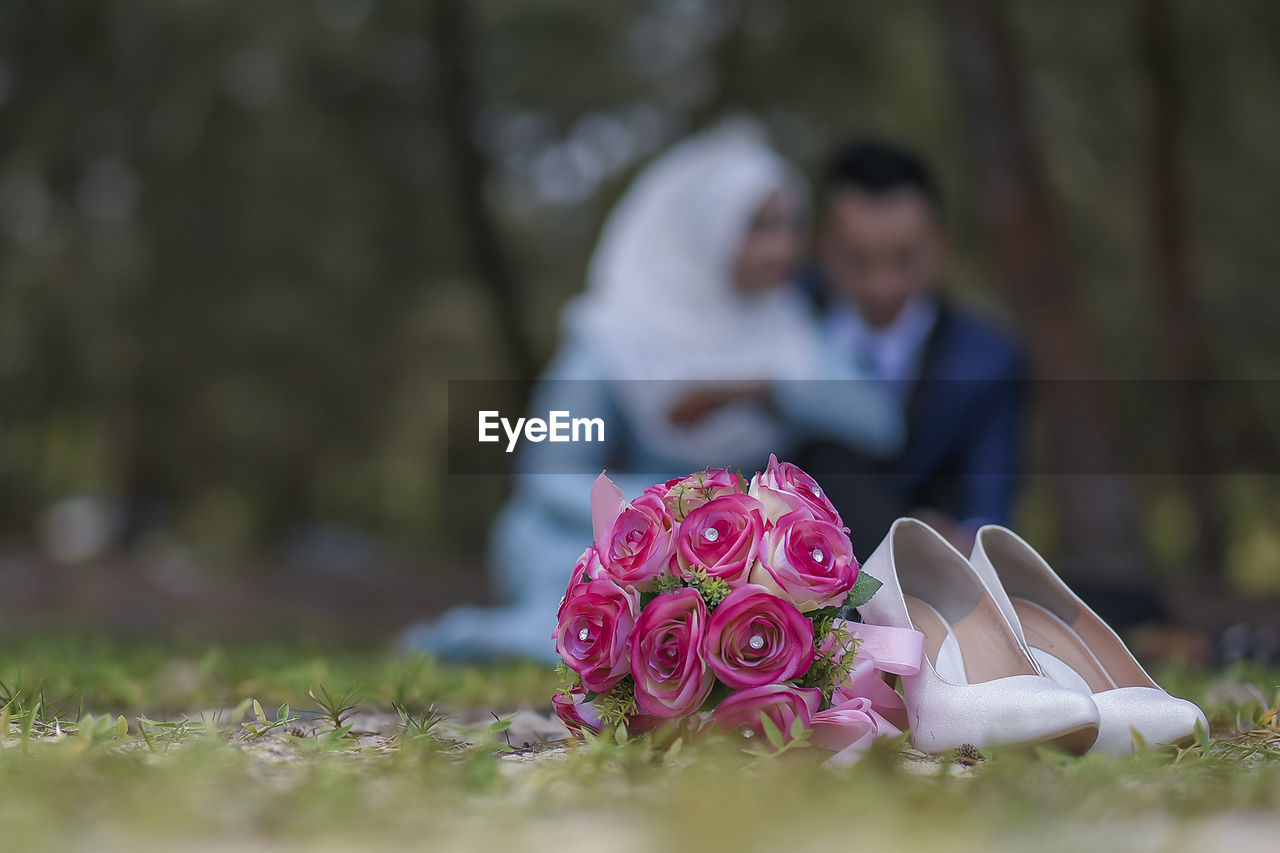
(142, 746)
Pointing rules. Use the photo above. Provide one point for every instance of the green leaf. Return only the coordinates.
(283, 713)
(260, 714)
(797, 728)
(863, 590)
(771, 732)
(500, 725)
(122, 727)
(1202, 737)
(825, 612)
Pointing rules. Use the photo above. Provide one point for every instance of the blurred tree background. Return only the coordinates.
(243, 246)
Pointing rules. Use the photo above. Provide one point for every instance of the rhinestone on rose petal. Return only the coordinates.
(748, 733)
(818, 556)
(711, 534)
(584, 634)
(756, 641)
(817, 492)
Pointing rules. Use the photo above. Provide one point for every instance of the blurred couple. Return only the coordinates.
(718, 327)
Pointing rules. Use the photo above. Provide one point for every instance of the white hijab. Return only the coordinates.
(661, 302)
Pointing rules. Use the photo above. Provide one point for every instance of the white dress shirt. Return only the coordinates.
(891, 353)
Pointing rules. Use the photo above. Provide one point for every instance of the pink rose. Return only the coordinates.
(783, 488)
(659, 490)
(807, 561)
(722, 536)
(755, 638)
(634, 539)
(671, 675)
(742, 713)
(587, 568)
(595, 625)
(577, 714)
(685, 494)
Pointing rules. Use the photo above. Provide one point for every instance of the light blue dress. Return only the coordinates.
(546, 525)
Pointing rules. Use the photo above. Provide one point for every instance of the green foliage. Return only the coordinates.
(422, 725)
(178, 780)
(262, 725)
(569, 680)
(712, 589)
(666, 582)
(863, 589)
(59, 672)
(335, 708)
(778, 743)
(617, 705)
(835, 657)
(161, 735)
(194, 353)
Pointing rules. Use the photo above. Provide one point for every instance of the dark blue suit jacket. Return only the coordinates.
(965, 413)
(965, 416)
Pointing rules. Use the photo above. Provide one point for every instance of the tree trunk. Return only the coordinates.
(1183, 346)
(457, 107)
(1098, 520)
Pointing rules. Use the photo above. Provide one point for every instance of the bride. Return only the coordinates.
(694, 346)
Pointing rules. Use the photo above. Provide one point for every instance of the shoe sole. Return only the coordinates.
(1075, 741)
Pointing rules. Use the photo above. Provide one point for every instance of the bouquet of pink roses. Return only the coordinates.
(712, 602)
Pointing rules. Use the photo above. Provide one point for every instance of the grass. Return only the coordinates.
(112, 746)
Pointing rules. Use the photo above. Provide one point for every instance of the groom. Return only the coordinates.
(881, 244)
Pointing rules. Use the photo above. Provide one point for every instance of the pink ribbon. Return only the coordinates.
(867, 708)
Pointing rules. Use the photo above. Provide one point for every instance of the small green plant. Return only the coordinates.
(91, 730)
(485, 738)
(420, 726)
(32, 713)
(160, 735)
(337, 709)
(261, 725)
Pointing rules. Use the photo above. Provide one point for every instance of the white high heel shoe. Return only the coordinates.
(978, 684)
(1075, 648)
